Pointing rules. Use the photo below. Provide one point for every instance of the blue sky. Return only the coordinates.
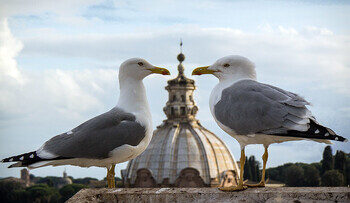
(59, 63)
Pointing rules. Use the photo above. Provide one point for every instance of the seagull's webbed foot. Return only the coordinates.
(240, 185)
(260, 184)
(233, 188)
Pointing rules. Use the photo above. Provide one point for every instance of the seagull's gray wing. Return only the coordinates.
(250, 107)
(97, 137)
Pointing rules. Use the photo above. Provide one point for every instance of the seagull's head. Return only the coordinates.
(228, 67)
(138, 68)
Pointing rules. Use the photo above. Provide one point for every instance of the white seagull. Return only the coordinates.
(116, 136)
(257, 113)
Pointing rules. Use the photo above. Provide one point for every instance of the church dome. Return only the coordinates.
(182, 153)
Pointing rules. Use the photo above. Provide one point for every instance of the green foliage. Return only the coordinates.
(347, 171)
(294, 176)
(332, 178)
(51, 181)
(247, 174)
(14, 191)
(317, 165)
(278, 172)
(6, 190)
(340, 161)
(251, 169)
(257, 171)
(304, 174)
(42, 193)
(327, 161)
(311, 176)
(69, 190)
(84, 181)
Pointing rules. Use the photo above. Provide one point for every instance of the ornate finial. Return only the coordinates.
(180, 45)
(181, 56)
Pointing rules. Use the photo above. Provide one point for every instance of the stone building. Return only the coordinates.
(65, 180)
(25, 176)
(182, 153)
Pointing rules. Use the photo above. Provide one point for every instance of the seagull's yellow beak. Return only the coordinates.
(202, 70)
(159, 70)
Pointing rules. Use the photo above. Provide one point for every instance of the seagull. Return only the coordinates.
(258, 113)
(113, 137)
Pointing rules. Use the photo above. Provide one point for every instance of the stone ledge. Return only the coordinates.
(268, 194)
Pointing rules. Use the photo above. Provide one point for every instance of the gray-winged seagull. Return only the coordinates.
(116, 136)
(257, 113)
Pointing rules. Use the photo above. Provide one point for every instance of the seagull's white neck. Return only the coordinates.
(230, 79)
(133, 98)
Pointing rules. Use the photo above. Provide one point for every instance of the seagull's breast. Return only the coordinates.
(215, 97)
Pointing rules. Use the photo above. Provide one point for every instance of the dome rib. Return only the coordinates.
(213, 153)
(173, 155)
(204, 156)
(162, 162)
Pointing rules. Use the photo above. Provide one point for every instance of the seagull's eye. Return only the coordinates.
(226, 65)
(140, 63)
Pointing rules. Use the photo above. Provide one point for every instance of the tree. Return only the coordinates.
(318, 166)
(311, 176)
(294, 176)
(278, 173)
(42, 193)
(84, 181)
(51, 181)
(332, 178)
(347, 171)
(247, 171)
(252, 164)
(7, 188)
(69, 190)
(340, 161)
(258, 174)
(327, 161)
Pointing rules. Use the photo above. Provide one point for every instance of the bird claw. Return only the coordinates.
(233, 188)
(261, 184)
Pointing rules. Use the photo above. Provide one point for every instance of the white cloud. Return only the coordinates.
(310, 55)
(9, 49)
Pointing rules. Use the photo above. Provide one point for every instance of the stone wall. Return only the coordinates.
(269, 194)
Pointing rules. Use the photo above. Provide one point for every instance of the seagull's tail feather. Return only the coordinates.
(18, 164)
(22, 159)
(31, 160)
(315, 132)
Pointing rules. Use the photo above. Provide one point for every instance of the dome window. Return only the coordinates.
(172, 111)
(183, 111)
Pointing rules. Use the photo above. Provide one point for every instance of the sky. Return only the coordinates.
(59, 64)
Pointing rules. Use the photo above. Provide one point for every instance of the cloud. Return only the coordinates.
(311, 55)
(9, 49)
